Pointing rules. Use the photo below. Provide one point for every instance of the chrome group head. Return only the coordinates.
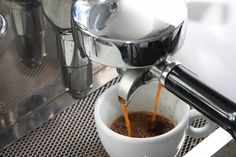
(129, 34)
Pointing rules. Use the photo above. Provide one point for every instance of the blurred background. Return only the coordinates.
(209, 48)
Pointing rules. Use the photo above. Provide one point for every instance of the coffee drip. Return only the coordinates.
(159, 87)
(150, 119)
(126, 115)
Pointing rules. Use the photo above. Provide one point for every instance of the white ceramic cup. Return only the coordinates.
(107, 109)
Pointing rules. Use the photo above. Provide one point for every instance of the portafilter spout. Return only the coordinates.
(131, 81)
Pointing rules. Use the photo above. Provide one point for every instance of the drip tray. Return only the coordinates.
(73, 133)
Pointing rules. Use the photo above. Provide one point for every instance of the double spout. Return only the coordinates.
(185, 85)
(133, 80)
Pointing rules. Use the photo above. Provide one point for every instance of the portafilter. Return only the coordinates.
(138, 37)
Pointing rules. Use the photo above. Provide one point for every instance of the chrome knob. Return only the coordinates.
(3, 26)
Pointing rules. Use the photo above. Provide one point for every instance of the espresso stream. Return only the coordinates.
(142, 124)
(159, 87)
(126, 115)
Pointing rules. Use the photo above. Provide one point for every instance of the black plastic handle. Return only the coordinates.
(206, 100)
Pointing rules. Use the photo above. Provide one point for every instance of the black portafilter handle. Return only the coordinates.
(186, 85)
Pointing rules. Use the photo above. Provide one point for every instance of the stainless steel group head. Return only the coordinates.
(129, 34)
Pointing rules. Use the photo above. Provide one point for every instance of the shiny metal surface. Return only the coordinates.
(3, 26)
(111, 29)
(76, 69)
(24, 91)
(162, 70)
(58, 12)
(28, 24)
(133, 79)
(26, 17)
(131, 82)
(31, 96)
(117, 20)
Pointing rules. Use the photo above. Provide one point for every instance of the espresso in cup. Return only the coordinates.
(108, 110)
(142, 125)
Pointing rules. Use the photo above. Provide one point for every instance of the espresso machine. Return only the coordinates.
(139, 37)
(91, 41)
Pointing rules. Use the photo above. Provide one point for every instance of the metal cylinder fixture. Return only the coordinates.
(76, 67)
(28, 23)
(76, 70)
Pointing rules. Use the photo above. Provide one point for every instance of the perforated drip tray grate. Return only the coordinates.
(73, 133)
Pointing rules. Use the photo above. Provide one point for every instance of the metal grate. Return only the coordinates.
(73, 133)
(18, 82)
